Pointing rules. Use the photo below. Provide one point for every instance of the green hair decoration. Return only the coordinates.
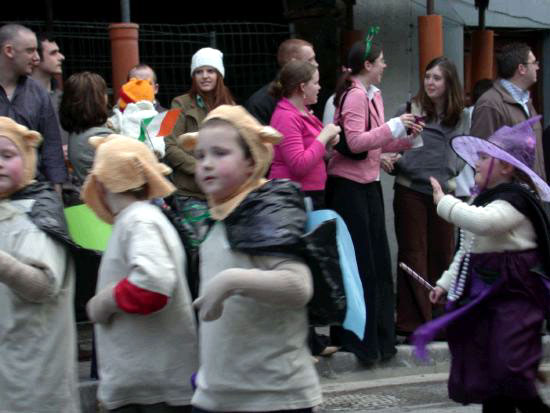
(373, 31)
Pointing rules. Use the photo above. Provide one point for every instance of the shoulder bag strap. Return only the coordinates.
(341, 105)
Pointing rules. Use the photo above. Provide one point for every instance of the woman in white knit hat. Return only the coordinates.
(207, 92)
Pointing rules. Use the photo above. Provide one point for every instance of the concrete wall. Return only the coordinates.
(398, 21)
(399, 38)
(533, 14)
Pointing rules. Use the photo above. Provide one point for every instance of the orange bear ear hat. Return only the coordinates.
(135, 90)
(259, 139)
(27, 142)
(122, 164)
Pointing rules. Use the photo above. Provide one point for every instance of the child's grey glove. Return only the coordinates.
(287, 284)
(216, 291)
(29, 282)
(102, 306)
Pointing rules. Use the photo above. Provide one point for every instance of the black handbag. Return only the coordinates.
(328, 304)
(271, 221)
(342, 146)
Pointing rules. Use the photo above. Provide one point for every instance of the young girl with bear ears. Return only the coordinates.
(252, 305)
(37, 327)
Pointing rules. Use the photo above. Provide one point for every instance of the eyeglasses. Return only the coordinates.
(534, 62)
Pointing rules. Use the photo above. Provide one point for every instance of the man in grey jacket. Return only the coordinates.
(28, 103)
(508, 102)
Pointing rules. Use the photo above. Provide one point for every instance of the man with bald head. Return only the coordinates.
(261, 104)
(27, 102)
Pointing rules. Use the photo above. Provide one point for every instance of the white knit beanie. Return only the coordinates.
(208, 57)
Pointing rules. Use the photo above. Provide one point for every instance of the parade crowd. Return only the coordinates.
(200, 304)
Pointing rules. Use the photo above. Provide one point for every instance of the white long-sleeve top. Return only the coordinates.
(497, 227)
(254, 357)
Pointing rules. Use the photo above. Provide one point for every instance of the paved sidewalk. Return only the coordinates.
(352, 393)
(343, 373)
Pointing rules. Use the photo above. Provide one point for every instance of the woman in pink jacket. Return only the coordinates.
(354, 191)
(300, 155)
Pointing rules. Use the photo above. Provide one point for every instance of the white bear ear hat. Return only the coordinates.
(122, 164)
(27, 142)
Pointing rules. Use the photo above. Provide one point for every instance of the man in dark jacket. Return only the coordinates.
(50, 66)
(28, 103)
(508, 101)
(261, 104)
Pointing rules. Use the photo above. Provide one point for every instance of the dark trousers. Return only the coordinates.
(426, 244)
(508, 405)
(317, 199)
(362, 208)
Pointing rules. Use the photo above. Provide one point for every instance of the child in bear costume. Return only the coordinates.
(144, 323)
(37, 327)
(252, 302)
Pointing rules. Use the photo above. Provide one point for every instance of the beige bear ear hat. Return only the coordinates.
(260, 139)
(122, 164)
(26, 141)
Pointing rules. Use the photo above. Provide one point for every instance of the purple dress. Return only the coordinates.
(494, 330)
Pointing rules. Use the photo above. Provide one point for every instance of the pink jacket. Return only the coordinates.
(357, 107)
(299, 156)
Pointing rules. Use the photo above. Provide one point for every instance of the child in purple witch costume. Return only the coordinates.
(498, 285)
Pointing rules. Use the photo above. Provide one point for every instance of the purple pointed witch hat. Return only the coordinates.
(514, 145)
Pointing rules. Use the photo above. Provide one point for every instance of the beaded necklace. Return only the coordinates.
(457, 286)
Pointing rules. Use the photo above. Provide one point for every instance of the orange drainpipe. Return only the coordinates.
(430, 41)
(482, 55)
(124, 52)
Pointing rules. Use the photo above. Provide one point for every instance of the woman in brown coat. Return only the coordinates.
(208, 91)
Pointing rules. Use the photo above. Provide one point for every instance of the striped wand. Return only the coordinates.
(417, 277)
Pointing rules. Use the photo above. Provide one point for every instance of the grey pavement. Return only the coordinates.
(403, 384)
(415, 393)
(405, 363)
